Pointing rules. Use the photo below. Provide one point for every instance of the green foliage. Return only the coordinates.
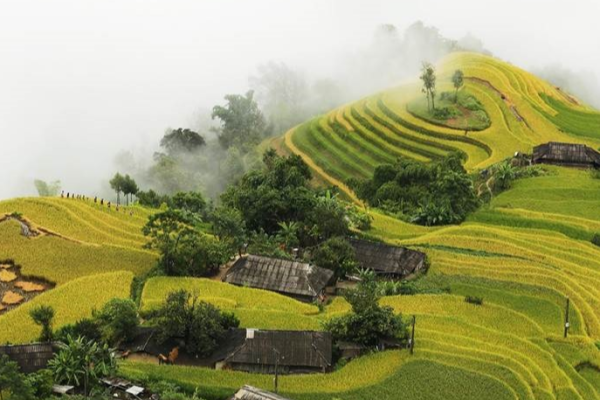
(369, 322)
(337, 255)
(118, 320)
(82, 363)
(288, 234)
(504, 174)
(229, 226)
(86, 327)
(41, 382)
(474, 300)
(46, 189)
(359, 219)
(199, 324)
(182, 140)
(596, 239)
(428, 77)
(458, 81)
(43, 315)
(242, 123)
(13, 381)
(429, 194)
(184, 250)
(189, 203)
(152, 199)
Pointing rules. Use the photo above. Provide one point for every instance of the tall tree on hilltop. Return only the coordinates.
(242, 123)
(458, 81)
(117, 183)
(182, 140)
(428, 77)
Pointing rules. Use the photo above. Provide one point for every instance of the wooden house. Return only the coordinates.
(301, 281)
(30, 357)
(290, 352)
(566, 154)
(248, 392)
(387, 260)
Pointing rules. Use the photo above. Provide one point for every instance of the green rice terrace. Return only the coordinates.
(524, 252)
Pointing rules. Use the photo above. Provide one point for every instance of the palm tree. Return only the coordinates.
(43, 315)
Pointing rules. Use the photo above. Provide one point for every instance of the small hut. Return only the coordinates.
(288, 352)
(30, 357)
(248, 392)
(386, 260)
(301, 281)
(566, 154)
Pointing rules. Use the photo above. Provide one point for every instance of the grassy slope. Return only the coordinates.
(523, 254)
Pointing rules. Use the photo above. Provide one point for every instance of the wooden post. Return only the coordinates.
(276, 369)
(567, 324)
(412, 335)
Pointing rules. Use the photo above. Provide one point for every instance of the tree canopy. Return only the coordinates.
(429, 194)
(200, 324)
(47, 189)
(242, 123)
(182, 140)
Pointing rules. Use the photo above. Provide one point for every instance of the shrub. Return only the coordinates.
(118, 320)
(474, 300)
(471, 103)
(41, 382)
(596, 239)
(337, 255)
(43, 316)
(200, 324)
(86, 327)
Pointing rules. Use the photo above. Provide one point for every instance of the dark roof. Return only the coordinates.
(386, 259)
(284, 276)
(295, 348)
(251, 393)
(566, 153)
(29, 357)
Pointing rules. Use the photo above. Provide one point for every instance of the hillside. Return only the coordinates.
(524, 253)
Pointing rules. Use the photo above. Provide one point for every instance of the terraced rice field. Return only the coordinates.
(351, 141)
(524, 254)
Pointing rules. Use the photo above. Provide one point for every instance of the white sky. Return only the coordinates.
(83, 79)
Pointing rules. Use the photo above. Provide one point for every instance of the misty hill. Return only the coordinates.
(523, 111)
(516, 259)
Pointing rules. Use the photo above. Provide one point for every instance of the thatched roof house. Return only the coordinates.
(292, 351)
(248, 392)
(29, 357)
(387, 260)
(299, 280)
(566, 154)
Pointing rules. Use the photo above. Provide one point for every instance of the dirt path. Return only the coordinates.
(290, 145)
(505, 98)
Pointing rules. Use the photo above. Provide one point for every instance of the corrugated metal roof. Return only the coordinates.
(251, 393)
(386, 259)
(279, 275)
(292, 348)
(555, 152)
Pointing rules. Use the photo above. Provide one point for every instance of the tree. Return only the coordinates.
(337, 255)
(242, 123)
(229, 226)
(45, 189)
(182, 140)
(152, 199)
(189, 202)
(428, 77)
(288, 234)
(129, 188)
(368, 322)
(458, 81)
(201, 325)
(43, 315)
(87, 327)
(183, 249)
(13, 381)
(118, 320)
(117, 183)
(82, 363)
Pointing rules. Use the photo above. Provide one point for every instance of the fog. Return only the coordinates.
(82, 82)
